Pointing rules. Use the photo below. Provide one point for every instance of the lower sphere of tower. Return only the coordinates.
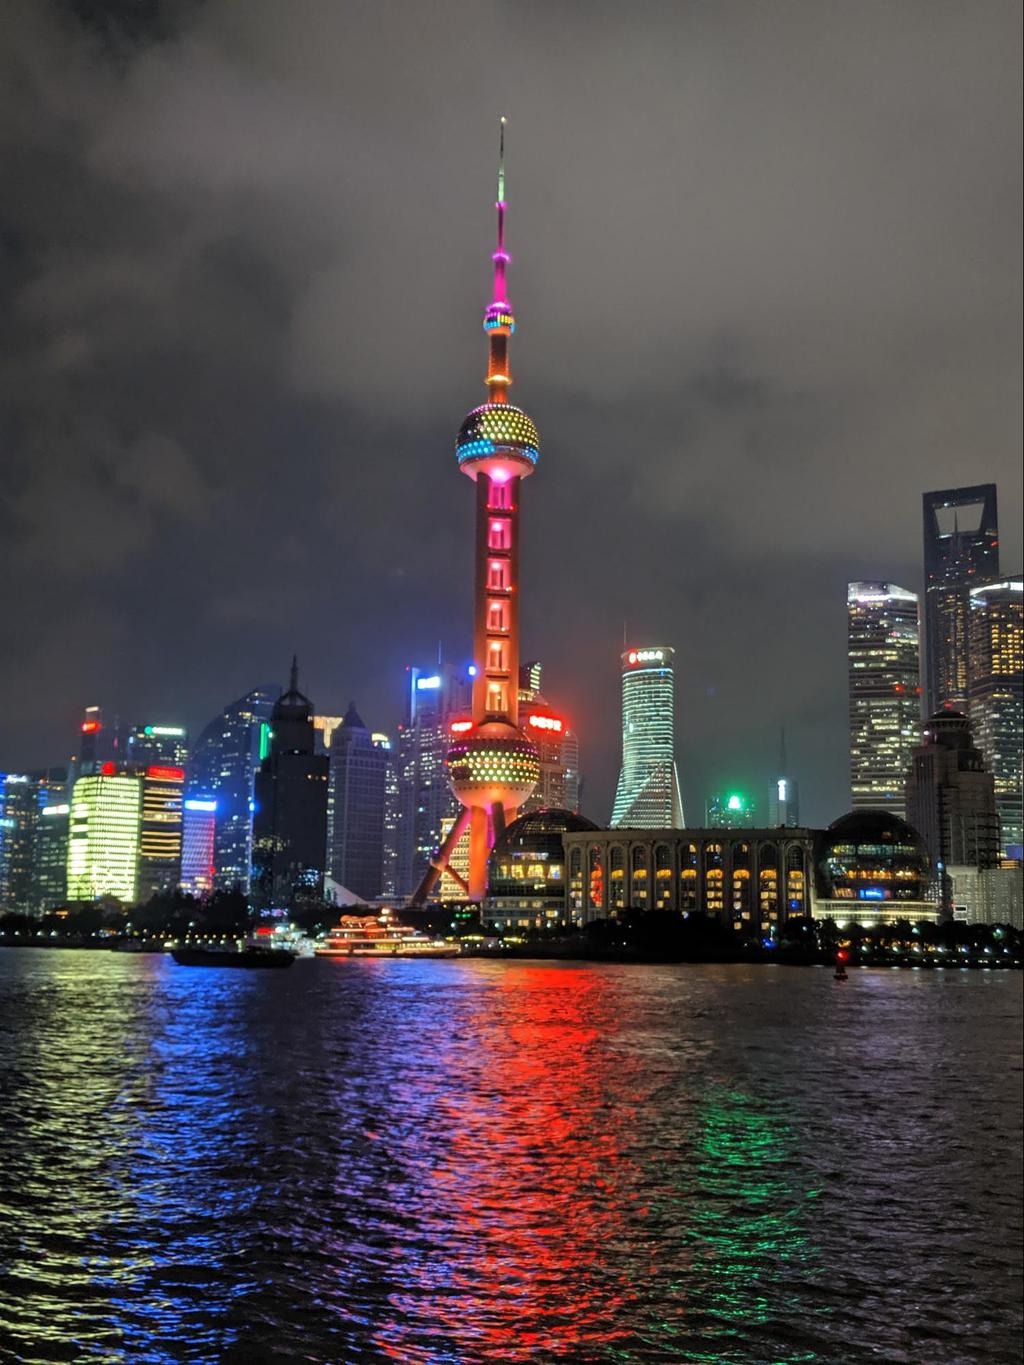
(494, 765)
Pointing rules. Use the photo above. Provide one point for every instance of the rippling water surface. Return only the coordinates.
(494, 1161)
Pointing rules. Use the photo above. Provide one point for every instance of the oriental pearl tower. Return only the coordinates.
(492, 764)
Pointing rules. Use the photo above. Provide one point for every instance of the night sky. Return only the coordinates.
(766, 271)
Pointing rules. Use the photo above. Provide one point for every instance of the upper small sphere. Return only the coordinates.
(498, 433)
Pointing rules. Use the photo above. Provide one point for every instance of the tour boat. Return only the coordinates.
(370, 936)
(243, 955)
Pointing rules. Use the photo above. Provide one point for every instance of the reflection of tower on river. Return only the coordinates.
(493, 765)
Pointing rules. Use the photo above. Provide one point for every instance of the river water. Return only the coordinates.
(462, 1161)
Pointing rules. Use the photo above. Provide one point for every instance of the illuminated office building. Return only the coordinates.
(198, 840)
(421, 794)
(356, 793)
(150, 745)
(18, 815)
(103, 836)
(223, 765)
(996, 640)
(160, 830)
(729, 810)
(647, 796)
(558, 750)
(885, 704)
(50, 851)
(951, 795)
(493, 764)
(101, 739)
(290, 820)
(961, 550)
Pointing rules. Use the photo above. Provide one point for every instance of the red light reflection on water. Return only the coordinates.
(520, 1211)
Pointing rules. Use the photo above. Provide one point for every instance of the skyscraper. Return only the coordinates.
(885, 702)
(730, 810)
(996, 649)
(493, 764)
(783, 803)
(355, 806)
(558, 751)
(783, 793)
(163, 790)
(101, 739)
(198, 843)
(162, 745)
(103, 835)
(647, 795)
(961, 550)
(420, 794)
(50, 851)
(223, 766)
(951, 796)
(19, 808)
(290, 820)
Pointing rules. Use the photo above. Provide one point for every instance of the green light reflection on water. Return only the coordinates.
(747, 1230)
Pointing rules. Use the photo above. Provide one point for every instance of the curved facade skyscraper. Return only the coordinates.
(647, 796)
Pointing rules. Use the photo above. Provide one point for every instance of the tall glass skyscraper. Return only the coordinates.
(223, 767)
(647, 796)
(885, 701)
(961, 550)
(996, 639)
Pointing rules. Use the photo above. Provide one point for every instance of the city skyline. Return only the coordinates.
(737, 402)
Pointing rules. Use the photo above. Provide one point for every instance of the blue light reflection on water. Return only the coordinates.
(462, 1161)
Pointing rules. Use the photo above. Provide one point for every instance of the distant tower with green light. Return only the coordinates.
(729, 810)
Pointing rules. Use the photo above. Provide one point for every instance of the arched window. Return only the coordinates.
(688, 877)
(638, 889)
(575, 879)
(714, 879)
(796, 882)
(768, 884)
(740, 897)
(596, 878)
(616, 877)
(662, 877)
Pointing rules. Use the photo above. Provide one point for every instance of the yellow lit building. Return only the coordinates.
(103, 837)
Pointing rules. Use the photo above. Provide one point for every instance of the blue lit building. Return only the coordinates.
(223, 766)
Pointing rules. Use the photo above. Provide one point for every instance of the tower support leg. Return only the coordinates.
(440, 860)
(479, 852)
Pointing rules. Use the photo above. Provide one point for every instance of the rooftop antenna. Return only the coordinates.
(293, 686)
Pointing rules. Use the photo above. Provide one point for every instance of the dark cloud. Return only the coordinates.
(767, 274)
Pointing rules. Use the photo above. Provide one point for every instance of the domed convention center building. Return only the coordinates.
(873, 868)
(526, 875)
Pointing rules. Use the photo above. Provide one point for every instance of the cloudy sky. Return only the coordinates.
(767, 277)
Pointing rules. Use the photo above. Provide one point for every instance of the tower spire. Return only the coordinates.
(293, 685)
(499, 324)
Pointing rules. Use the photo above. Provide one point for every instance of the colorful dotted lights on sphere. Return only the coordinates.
(495, 427)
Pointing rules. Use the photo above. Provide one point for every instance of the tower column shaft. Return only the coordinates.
(496, 607)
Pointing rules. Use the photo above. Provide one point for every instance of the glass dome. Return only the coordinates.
(871, 855)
